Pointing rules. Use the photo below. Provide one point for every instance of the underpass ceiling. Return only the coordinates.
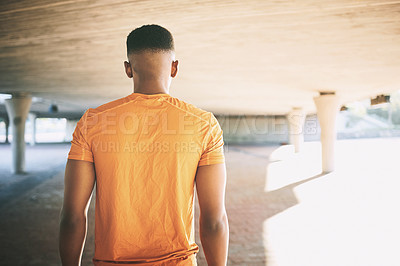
(236, 57)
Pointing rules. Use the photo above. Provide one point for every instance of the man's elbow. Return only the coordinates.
(69, 219)
(214, 224)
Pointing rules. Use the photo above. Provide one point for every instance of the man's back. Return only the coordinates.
(146, 150)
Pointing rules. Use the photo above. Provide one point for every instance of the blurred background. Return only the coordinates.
(358, 119)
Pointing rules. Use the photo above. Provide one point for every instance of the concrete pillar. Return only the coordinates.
(69, 129)
(296, 119)
(17, 110)
(328, 105)
(7, 123)
(32, 119)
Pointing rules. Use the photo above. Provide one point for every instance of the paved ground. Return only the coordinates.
(281, 210)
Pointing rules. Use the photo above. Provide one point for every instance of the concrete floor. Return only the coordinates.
(282, 211)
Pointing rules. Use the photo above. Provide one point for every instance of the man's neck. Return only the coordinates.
(150, 88)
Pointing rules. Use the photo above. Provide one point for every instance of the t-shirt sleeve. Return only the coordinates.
(80, 148)
(213, 152)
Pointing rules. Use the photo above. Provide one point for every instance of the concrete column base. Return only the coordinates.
(296, 120)
(17, 110)
(327, 108)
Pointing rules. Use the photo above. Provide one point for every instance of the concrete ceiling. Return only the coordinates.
(236, 57)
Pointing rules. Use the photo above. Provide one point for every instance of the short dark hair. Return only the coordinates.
(149, 37)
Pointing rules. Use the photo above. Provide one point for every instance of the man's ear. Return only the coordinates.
(174, 68)
(128, 69)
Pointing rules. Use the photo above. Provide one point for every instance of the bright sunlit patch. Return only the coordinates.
(348, 217)
(287, 167)
(281, 153)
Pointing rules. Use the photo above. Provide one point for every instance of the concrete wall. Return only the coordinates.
(262, 129)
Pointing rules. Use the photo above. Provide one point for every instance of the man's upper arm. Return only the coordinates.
(78, 186)
(210, 186)
(213, 152)
(80, 146)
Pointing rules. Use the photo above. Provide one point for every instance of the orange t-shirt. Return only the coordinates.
(146, 150)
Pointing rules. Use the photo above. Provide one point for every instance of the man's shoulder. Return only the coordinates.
(90, 115)
(106, 106)
(189, 108)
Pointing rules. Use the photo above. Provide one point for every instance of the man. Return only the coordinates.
(145, 153)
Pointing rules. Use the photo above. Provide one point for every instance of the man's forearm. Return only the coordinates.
(214, 239)
(71, 240)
